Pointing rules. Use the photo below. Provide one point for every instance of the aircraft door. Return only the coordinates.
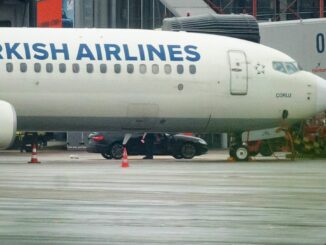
(238, 72)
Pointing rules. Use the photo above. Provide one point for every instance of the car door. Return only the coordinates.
(160, 144)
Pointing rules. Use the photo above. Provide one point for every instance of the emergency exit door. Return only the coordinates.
(239, 73)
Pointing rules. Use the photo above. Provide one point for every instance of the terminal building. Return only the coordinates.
(149, 14)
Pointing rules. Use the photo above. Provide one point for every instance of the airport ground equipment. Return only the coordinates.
(125, 163)
(34, 158)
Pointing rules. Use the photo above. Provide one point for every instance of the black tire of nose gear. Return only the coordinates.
(242, 153)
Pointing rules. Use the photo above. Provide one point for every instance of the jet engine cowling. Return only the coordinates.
(8, 124)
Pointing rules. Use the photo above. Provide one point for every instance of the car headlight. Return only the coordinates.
(201, 141)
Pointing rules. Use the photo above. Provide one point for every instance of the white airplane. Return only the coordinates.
(149, 81)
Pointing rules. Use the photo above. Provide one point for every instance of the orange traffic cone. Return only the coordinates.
(125, 163)
(34, 156)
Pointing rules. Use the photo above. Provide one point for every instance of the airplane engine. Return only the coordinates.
(8, 124)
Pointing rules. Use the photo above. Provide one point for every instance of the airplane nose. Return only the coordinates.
(321, 95)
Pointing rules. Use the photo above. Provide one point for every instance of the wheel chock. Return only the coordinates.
(231, 159)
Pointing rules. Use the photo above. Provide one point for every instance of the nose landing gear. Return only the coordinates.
(266, 142)
(238, 150)
(241, 153)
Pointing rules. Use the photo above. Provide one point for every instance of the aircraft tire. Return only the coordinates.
(241, 153)
(265, 150)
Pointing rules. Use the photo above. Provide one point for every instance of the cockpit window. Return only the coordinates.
(286, 67)
(291, 67)
(278, 66)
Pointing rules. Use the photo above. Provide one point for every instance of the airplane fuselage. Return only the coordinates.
(136, 80)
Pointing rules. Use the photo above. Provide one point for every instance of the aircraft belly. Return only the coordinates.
(132, 113)
(145, 108)
(161, 125)
(110, 124)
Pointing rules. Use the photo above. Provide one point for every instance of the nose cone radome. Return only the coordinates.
(321, 95)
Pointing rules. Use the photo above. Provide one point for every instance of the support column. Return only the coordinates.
(113, 13)
(283, 7)
(84, 13)
(224, 141)
(32, 13)
(254, 8)
(79, 23)
(101, 14)
(321, 8)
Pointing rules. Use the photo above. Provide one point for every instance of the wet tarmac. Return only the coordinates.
(80, 198)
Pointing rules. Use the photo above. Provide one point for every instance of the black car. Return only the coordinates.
(179, 146)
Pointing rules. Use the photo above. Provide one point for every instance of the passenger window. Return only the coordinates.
(192, 69)
(49, 68)
(180, 69)
(142, 68)
(291, 68)
(10, 67)
(130, 68)
(167, 69)
(37, 67)
(75, 68)
(23, 67)
(90, 68)
(62, 68)
(155, 69)
(278, 66)
(117, 68)
(103, 68)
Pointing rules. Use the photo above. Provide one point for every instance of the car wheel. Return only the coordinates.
(106, 155)
(188, 151)
(117, 150)
(177, 156)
